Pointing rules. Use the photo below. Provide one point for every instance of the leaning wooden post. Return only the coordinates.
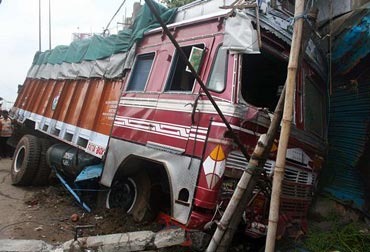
(286, 125)
(258, 159)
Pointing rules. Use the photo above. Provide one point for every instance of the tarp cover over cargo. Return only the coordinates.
(97, 56)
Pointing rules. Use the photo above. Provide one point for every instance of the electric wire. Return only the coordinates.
(115, 14)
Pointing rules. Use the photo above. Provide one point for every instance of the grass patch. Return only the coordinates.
(352, 237)
(331, 233)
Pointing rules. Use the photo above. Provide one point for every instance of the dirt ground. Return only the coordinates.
(44, 213)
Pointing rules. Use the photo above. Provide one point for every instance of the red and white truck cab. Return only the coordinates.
(167, 128)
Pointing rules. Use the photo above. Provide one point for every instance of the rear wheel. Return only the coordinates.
(42, 175)
(25, 161)
(132, 194)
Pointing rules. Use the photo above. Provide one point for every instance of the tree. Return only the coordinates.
(176, 3)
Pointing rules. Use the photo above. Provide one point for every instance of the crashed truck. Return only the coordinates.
(124, 116)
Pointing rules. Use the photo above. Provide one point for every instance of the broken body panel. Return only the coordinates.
(165, 126)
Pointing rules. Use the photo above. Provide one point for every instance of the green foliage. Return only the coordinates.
(176, 3)
(330, 233)
(342, 238)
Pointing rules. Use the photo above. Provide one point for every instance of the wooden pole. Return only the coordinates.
(285, 129)
(258, 159)
(249, 177)
(226, 228)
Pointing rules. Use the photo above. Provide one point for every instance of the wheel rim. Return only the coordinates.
(123, 194)
(19, 159)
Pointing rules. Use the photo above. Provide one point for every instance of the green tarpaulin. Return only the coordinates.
(99, 47)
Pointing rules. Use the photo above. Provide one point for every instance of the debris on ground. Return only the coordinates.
(51, 218)
(133, 241)
(38, 228)
(51, 214)
(74, 217)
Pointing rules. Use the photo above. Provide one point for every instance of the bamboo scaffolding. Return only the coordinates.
(258, 159)
(286, 126)
(227, 226)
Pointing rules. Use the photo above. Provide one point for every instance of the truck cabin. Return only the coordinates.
(162, 101)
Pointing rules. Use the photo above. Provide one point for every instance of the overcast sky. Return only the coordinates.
(19, 31)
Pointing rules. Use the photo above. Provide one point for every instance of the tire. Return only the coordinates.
(42, 175)
(26, 160)
(132, 194)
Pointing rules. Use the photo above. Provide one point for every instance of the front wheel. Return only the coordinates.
(132, 194)
(25, 161)
(122, 195)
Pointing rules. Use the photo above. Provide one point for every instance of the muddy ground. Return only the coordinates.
(45, 213)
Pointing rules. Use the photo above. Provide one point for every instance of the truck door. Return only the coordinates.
(137, 105)
(172, 122)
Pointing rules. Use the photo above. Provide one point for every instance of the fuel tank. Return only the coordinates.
(68, 160)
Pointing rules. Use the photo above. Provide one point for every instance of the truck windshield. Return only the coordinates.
(217, 78)
(263, 78)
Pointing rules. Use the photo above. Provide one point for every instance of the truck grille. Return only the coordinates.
(236, 160)
(298, 182)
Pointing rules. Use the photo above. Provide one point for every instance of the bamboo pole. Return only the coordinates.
(249, 177)
(285, 129)
(258, 158)
(227, 226)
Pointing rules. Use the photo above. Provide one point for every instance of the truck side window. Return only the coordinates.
(181, 79)
(217, 78)
(140, 72)
(315, 108)
(263, 78)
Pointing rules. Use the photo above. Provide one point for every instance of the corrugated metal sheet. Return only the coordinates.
(351, 44)
(348, 135)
